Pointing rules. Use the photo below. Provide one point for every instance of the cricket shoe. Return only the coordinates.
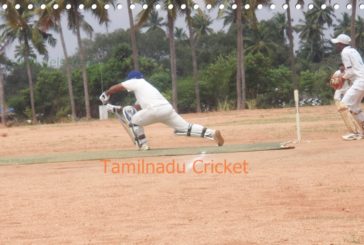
(144, 147)
(352, 136)
(218, 138)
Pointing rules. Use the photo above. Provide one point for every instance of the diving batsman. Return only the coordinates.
(151, 107)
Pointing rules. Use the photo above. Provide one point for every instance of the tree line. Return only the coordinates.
(248, 64)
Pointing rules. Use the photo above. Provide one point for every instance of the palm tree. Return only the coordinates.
(2, 98)
(171, 16)
(311, 38)
(134, 47)
(240, 76)
(292, 60)
(201, 24)
(193, 40)
(277, 27)
(359, 30)
(180, 34)
(311, 30)
(18, 25)
(240, 67)
(344, 26)
(352, 24)
(321, 16)
(2, 91)
(347, 24)
(75, 23)
(51, 18)
(260, 41)
(154, 21)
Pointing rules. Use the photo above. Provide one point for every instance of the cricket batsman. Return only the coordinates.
(151, 107)
(349, 107)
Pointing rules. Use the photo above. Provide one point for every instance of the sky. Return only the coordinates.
(119, 19)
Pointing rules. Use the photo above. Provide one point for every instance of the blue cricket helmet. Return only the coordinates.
(135, 74)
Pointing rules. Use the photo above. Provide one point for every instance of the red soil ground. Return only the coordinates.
(313, 194)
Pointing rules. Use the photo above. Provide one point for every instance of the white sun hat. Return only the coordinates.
(342, 38)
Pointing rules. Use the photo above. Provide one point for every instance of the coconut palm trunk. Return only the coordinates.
(2, 98)
(68, 72)
(240, 69)
(84, 73)
(31, 89)
(194, 60)
(172, 53)
(291, 50)
(133, 38)
(352, 24)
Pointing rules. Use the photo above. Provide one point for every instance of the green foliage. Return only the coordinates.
(315, 85)
(104, 46)
(267, 71)
(20, 103)
(186, 98)
(279, 89)
(226, 105)
(154, 44)
(257, 66)
(218, 81)
(51, 94)
(161, 80)
(17, 79)
(121, 51)
(210, 47)
(17, 87)
(183, 52)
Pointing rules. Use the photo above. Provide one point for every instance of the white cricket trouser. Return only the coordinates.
(339, 94)
(167, 115)
(352, 99)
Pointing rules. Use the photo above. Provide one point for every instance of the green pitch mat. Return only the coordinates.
(124, 154)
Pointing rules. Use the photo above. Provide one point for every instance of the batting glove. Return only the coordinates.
(113, 108)
(104, 98)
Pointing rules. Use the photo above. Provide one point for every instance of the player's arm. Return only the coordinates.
(336, 80)
(105, 96)
(137, 107)
(348, 75)
(115, 89)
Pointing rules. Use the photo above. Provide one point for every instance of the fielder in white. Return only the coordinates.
(340, 92)
(151, 107)
(354, 71)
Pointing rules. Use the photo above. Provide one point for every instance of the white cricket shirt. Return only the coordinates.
(146, 94)
(354, 67)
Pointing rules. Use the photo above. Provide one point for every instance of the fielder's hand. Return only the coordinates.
(336, 82)
(104, 98)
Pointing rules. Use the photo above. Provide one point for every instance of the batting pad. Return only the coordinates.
(133, 153)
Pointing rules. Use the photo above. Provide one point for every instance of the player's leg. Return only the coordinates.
(136, 131)
(138, 119)
(149, 116)
(352, 114)
(184, 128)
(352, 100)
(338, 95)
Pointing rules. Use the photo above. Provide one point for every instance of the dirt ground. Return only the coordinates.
(313, 194)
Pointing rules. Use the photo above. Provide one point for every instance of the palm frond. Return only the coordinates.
(86, 27)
